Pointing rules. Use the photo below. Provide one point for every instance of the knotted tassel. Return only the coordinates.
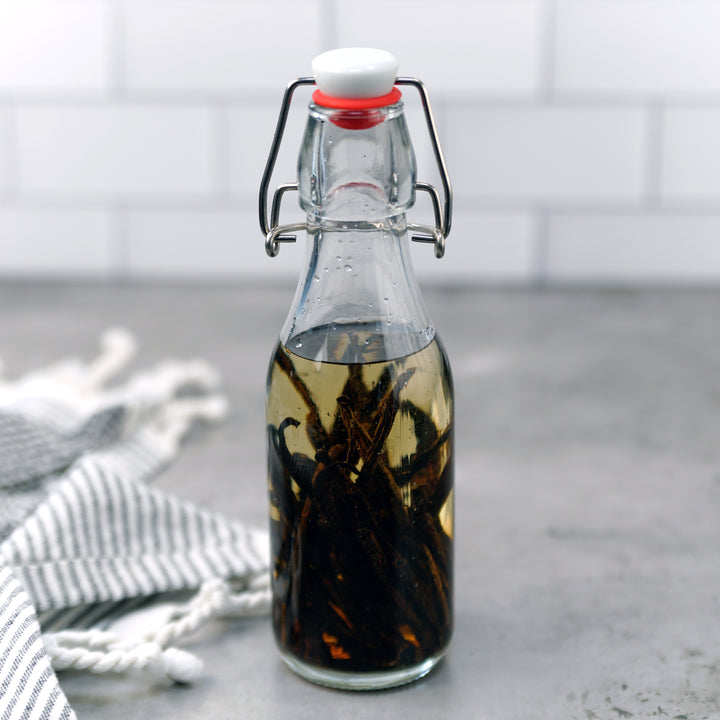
(103, 652)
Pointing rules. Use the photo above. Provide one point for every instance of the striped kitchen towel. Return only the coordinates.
(99, 571)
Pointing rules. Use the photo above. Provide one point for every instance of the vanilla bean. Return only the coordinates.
(315, 430)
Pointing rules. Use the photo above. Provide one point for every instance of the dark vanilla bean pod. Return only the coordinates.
(279, 477)
(388, 564)
(329, 504)
(384, 419)
(429, 475)
(379, 390)
(372, 534)
(354, 393)
(300, 467)
(387, 487)
(425, 426)
(378, 550)
(315, 430)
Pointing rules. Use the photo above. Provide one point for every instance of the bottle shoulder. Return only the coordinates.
(358, 290)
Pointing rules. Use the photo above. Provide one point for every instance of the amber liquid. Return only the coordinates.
(360, 459)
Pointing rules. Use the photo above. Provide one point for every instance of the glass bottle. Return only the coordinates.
(359, 414)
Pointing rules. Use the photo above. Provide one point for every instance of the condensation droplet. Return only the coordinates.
(316, 278)
(348, 268)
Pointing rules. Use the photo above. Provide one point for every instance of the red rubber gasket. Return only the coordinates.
(359, 115)
(320, 98)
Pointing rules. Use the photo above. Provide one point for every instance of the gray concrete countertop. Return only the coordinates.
(588, 487)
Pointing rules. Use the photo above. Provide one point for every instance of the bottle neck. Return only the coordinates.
(356, 164)
(357, 300)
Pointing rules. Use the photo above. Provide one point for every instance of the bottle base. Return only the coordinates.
(341, 680)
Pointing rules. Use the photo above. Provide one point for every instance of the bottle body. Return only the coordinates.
(361, 478)
(360, 440)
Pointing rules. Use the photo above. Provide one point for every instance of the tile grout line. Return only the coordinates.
(119, 260)
(116, 53)
(547, 60)
(174, 97)
(329, 24)
(221, 171)
(541, 249)
(10, 131)
(53, 201)
(654, 118)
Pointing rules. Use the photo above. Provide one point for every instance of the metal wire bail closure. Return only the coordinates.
(275, 233)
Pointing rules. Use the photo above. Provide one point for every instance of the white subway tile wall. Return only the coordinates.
(581, 135)
(547, 154)
(462, 48)
(497, 247)
(250, 131)
(53, 47)
(201, 243)
(6, 152)
(215, 46)
(638, 47)
(55, 242)
(97, 151)
(691, 153)
(634, 247)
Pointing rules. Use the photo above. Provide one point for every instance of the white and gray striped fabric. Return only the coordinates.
(28, 685)
(82, 535)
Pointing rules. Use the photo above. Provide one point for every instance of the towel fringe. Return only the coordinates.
(117, 349)
(214, 599)
(103, 652)
(99, 651)
(173, 420)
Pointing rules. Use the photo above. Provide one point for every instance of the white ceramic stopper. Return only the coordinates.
(355, 72)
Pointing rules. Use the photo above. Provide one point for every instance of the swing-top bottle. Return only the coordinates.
(359, 398)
